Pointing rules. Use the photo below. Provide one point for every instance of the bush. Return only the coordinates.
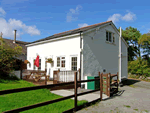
(8, 58)
(139, 67)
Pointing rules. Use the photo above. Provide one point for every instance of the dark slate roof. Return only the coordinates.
(10, 43)
(71, 31)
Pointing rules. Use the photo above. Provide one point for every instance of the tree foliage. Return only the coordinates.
(145, 44)
(131, 36)
(8, 55)
(139, 67)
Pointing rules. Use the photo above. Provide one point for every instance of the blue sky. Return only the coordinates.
(36, 19)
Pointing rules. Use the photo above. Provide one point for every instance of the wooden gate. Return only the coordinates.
(108, 82)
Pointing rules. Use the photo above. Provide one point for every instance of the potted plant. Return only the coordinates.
(26, 62)
(49, 60)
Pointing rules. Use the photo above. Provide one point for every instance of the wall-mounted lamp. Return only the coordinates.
(104, 70)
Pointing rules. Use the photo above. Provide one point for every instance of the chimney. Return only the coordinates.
(14, 37)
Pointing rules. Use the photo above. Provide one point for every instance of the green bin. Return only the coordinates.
(93, 84)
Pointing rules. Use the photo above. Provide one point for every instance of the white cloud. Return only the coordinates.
(115, 17)
(71, 16)
(7, 28)
(127, 17)
(2, 12)
(82, 25)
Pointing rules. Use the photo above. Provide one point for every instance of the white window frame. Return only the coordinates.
(60, 61)
(71, 62)
(45, 63)
(112, 35)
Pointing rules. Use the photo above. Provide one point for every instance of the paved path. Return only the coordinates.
(89, 97)
(132, 100)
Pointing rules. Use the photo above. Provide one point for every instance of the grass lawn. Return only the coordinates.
(16, 100)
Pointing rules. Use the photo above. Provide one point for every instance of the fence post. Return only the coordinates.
(80, 77)
(101, 85)
(75, 91)
(45, 77)
(58, 75)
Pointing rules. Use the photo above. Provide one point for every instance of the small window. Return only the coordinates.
(106, 36)
(39, 64)
(109, 36)
(74, 63)
(113, 38)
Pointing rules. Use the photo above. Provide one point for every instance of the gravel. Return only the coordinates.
(129, 100)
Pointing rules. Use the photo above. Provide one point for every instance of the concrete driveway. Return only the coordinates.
(133, 97)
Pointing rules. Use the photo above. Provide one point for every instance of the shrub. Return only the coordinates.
(139, 67)
(8, 58)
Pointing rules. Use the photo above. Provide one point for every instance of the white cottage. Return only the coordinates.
(92, 48)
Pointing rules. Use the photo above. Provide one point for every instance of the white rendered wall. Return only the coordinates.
(66, 47)
(99, 54)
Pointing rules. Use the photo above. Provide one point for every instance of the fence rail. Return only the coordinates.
(75, 83)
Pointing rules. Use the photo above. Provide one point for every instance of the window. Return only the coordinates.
(34, 67)
(63, 62)
(110, 37)
(113, 38)
(74, 63)
(60, 61)
(45, 63)
(106, 36)
(39, 64)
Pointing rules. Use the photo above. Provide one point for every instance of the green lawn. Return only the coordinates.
(16, 100)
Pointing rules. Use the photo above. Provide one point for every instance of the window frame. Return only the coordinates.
(62, 58)
(40, 61)
(110, 39)
(73, 65)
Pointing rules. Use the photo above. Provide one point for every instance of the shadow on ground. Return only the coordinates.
(6, 78)
(129, 82)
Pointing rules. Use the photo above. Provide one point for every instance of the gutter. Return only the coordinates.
(81, 53)
(120, 55)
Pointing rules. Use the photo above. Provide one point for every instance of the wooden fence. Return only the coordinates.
(56, 100)
(34, 78)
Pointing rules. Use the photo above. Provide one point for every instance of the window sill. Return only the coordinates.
(110, 43)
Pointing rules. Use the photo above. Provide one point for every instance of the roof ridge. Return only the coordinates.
(84, 27)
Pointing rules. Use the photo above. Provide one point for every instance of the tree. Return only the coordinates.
(131, 36)
(144, 40)
(8, 58)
